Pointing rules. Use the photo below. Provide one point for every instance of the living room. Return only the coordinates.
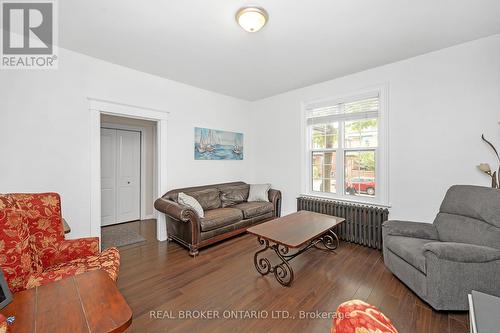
(344, 120)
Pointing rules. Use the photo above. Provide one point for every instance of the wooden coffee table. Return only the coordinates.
(88, 302)
(299, 231)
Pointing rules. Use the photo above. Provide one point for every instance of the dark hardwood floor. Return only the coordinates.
(161, 276)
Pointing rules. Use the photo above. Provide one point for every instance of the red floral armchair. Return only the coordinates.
(33, 250)
(359, 317)
(3, 324)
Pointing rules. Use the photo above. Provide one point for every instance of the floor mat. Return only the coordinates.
(120, 235)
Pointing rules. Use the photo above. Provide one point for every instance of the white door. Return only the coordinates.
(128, 176)
(120, 176)
(108, 176)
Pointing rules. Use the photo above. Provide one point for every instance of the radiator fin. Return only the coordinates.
(363, 223)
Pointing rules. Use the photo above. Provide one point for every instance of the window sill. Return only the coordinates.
(347, 200)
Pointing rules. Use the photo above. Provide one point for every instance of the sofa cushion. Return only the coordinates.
(232, 195)
(220, 217)
(470, 214)
(208, 198)
(252, 209)
(477, 202)
(463, 229)
(409, 249)
(235, 226)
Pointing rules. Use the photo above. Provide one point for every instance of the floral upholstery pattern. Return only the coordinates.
(68, 250)
(108, 261)
(17, 255)
(33, 250)
(43, 211)
(3, 324)
(356, 316)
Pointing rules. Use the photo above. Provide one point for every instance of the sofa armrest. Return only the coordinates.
(461, 252)
(410, 229)
(174, 210)
(275, 199)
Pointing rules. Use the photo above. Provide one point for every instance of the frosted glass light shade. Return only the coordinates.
(251, 19)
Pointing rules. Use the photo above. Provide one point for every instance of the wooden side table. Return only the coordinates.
(88, 302)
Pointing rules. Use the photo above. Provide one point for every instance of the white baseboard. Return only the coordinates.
(148, 217)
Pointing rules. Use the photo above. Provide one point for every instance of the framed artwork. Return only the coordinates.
(211, 144)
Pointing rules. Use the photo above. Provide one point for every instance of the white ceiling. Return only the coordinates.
(305, 41)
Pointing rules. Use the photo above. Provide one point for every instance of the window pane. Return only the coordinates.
(318, 138)
(325, 136)
(361, 133)
(360, 173)
(324, 172)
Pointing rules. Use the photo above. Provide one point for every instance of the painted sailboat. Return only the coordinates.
(211, 144)
(237, 147)
(207, 142)
(202, 146)
(212, 141)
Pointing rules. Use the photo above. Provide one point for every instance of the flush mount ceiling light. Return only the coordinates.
(251, 19)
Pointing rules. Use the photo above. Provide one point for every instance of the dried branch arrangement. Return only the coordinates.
(485, 167)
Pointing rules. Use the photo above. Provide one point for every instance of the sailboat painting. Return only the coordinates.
(211, 144)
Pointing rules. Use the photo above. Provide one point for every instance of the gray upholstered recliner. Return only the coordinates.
(442, 262)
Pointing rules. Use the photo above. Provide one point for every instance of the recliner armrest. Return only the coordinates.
(174, 210)
(461, 252)
(410, 229)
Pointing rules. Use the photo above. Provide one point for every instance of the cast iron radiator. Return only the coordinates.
(363, 224)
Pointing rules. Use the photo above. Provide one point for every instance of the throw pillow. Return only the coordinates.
(259, 192)
(191, 202)
(358, 316)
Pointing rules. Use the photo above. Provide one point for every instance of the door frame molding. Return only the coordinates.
(100, 106)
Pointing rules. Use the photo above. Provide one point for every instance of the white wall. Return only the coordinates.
(440, 103)
(45, 128)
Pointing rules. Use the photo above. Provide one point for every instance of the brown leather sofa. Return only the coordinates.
(227, 213)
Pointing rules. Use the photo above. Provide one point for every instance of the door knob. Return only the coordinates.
(128, 182)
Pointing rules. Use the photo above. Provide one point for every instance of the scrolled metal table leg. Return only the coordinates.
(263, 265)
(283, 272)
(283, 249)
(330, 241)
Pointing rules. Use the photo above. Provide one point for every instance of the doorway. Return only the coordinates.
(127, 178)
(100, 108)
(120, 175)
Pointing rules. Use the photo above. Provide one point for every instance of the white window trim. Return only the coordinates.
(381, 152)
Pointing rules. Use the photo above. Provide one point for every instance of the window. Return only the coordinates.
(344, 148)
